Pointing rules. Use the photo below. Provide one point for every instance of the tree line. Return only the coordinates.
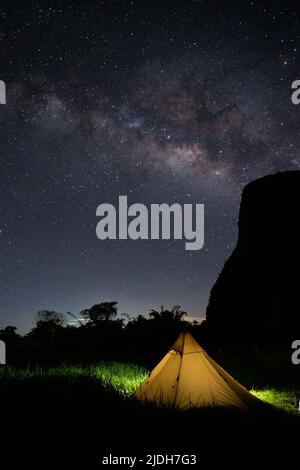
(97, 333)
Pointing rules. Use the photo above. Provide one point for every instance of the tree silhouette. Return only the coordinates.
(8, 334)
(105, 311)
(175, 314)
(48, 324)
(50, 317)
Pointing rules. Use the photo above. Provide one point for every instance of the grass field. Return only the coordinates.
(57, 406)
(123, 378)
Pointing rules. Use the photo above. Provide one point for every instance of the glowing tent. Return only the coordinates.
(187, 377)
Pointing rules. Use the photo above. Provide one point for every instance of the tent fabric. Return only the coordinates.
(187, 377)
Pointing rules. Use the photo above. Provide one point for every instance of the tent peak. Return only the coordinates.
(186, 343)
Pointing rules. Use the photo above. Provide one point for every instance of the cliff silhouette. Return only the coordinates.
(256, 298)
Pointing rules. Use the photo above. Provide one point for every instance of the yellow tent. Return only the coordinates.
(187, 377)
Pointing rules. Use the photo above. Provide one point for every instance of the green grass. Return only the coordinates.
(281, 399)
(122, 378)
(52, 405)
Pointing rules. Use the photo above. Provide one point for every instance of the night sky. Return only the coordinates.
(160, 101)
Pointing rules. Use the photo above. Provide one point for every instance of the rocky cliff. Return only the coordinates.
(257, 295)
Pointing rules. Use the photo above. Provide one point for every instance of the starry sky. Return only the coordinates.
(163, 101)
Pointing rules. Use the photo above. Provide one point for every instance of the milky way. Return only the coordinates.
(155, 100)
